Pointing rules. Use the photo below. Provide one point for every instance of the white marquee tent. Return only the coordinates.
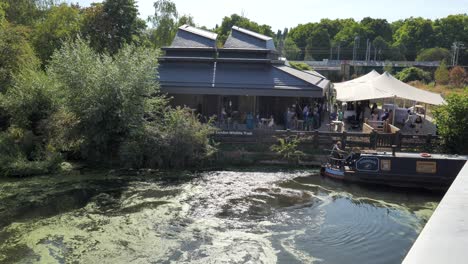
(383, 86)
(362, 79)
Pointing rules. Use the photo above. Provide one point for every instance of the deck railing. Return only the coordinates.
(322, 139)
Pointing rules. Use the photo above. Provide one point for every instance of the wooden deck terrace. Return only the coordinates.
(325, 139)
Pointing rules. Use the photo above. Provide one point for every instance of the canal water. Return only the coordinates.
(252, 216)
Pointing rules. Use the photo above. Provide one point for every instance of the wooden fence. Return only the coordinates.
(324, 140)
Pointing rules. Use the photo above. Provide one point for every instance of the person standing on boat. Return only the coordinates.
(337, 148)
(337, 153)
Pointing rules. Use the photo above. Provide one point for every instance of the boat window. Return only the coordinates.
(385, 165)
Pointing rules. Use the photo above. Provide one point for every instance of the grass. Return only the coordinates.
(444, 90)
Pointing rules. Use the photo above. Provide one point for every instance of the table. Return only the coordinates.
(336, 126)
(264, 122)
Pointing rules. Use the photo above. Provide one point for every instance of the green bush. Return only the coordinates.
(434, 54)
(30, 100)
(288, 149)
(300, 66)
(458, 76)
(98, 108)
(452, 123)
(107, 96)
(413, 74)
(441, 75)
(175, 141)
(15, 161)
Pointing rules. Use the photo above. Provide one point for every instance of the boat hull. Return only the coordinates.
(435, 172)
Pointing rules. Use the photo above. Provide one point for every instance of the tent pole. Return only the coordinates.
(394, 104)
(425, 110)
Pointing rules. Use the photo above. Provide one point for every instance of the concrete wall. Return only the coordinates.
(444, 239)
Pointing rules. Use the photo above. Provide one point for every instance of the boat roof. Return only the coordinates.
(416, 155)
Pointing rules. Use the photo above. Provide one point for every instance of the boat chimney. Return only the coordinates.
(393, 150)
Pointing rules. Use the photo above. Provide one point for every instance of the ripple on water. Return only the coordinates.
(219, 217)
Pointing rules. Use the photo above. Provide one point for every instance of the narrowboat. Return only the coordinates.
(411, 170)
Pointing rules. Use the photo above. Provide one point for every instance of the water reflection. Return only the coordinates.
(256, 216)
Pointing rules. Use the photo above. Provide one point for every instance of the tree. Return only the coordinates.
(186, 20)
(413, 74)
(165, 21)
(108, 95)
(441, 75)
(291, 51)
(123, 21)
(21, 12)
(2, 14)
(414, 34)
(243, 22)
(450, 29)
(113, 24)
(318, 45)
(457, 76)
(434, 54)
(381, 47)
(30, 99)
(452, 123)
(351, 32)
(61, 22)
(397, 52)
(285, 33)
(377, 28)
(300, 34)
(15, 53)
(332, 26)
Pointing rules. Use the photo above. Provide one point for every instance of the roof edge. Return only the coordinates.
(200, 32)
(251, 33)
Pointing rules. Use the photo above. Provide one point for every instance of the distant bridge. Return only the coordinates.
(339, 70)
(336, 64)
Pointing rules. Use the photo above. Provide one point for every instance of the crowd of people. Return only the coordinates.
(305, 117)
(298, 116)
(361, 111)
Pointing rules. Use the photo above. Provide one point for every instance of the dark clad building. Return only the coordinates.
(245, 76)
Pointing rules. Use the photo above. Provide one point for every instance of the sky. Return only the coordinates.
(290, 13)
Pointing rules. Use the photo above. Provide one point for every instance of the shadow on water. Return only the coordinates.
(56, 198)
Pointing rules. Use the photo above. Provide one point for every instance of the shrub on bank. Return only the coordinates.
(452, 123)
(288, 148)
(413, 74)
(176, 140)
(21, 156)
(101, 109)
(458, 76)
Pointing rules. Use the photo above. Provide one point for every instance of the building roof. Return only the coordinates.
(311, 77)
(238, 78)
(192, 37)
(247, 65)
(241, 38)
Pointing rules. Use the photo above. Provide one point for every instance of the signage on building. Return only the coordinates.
(234, 133)
(368, 164)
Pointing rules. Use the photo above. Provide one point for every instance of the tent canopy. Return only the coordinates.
(362, 79)
(385, 86)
